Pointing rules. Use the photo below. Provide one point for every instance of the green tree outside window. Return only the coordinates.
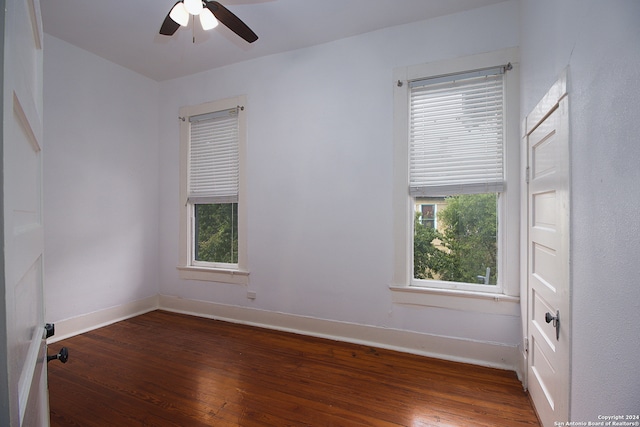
(464, 247)
(216, 232)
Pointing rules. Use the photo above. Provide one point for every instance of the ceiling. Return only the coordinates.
(126, 31)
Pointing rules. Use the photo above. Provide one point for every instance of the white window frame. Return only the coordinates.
(405, 288)
(190, 269)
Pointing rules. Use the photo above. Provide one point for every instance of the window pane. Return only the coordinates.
(216, 233)
(463, 247)
(427, 215)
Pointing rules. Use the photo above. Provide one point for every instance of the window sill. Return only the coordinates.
(237, 277)
(480, 302)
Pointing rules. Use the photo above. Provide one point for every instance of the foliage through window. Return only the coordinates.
(216, 233)
(464, 246)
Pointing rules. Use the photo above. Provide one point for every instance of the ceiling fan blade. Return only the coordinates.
(234, 23)
(169, 26)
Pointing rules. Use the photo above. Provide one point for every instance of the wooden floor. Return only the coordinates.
(166, 369)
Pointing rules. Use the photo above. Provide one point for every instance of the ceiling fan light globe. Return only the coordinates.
(180, 14)
(207, 20)
(194, 7)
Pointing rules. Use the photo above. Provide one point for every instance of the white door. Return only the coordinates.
(548, 274)
(23, 349)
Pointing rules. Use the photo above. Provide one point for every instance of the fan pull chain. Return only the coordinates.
(193, 28)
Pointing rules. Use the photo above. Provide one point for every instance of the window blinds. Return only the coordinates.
(214, 158)
(456, 134)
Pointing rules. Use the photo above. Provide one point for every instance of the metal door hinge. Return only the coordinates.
(526, 344)
(526, 176)
(50, 330)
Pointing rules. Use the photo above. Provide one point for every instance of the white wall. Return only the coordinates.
(100, 183)
(599, 42)
(320, 174)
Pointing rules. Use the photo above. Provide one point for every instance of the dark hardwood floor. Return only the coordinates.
(166, 369)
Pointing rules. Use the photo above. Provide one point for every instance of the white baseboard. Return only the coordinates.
(489, 354)
(481, 353)
(87, 322)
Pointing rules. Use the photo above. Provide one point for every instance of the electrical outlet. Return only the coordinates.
(251, 294)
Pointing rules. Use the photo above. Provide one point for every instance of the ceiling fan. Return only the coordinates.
(210, 12)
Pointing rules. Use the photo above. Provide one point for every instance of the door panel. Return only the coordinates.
(543, 206)
(544, 330)
(548, 277)
(24, 352)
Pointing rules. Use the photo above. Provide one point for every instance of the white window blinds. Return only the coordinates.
(456, 134)
(213, 158)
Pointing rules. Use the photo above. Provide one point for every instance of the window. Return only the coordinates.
(213, 215)
(456, 150)
(426, 214)
(456, 183)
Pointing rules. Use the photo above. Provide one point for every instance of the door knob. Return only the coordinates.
(548, 317)
(63, 356)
